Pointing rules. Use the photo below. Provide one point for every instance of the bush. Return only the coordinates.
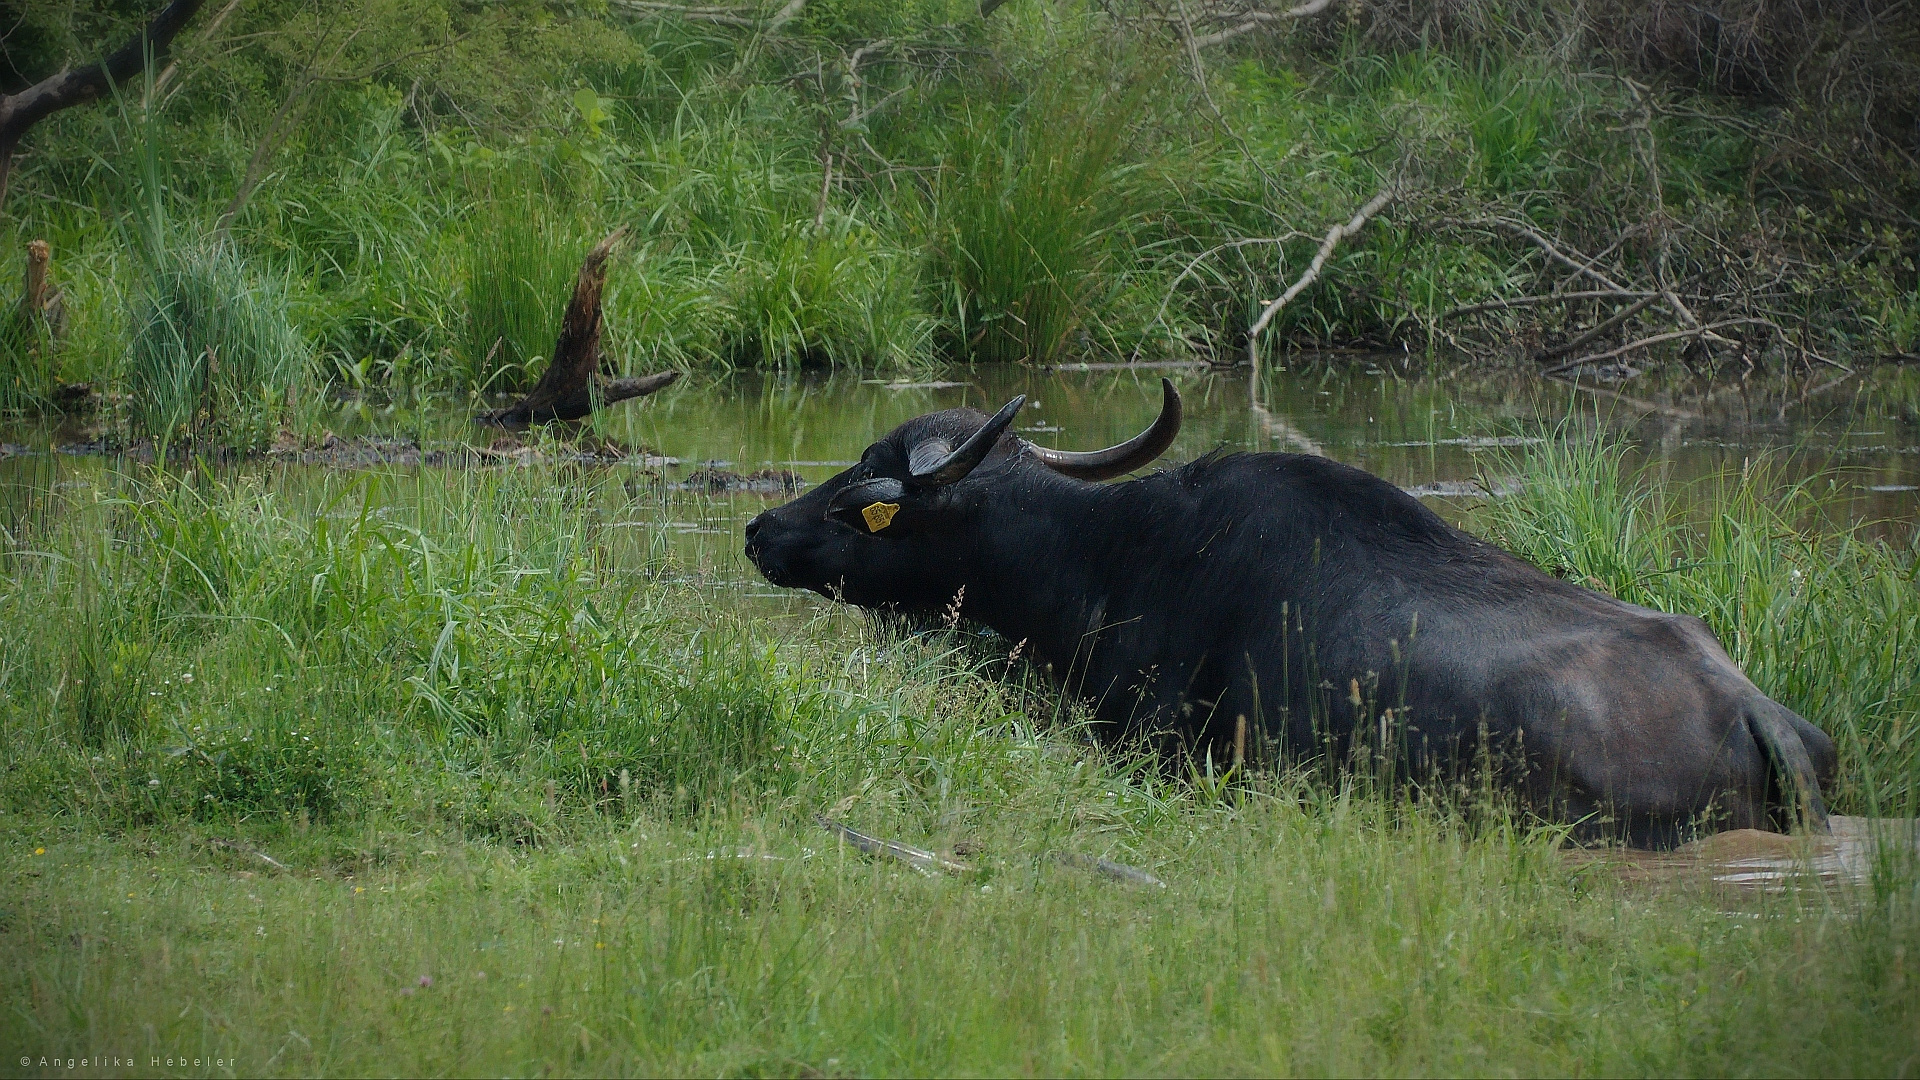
(214, 350)
(825, 296)
(1023, 213)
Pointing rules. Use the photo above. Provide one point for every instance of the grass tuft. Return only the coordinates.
(520, 268)
(214, 351)
(1024, 214)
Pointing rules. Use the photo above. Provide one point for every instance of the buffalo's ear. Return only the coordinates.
(869, 505)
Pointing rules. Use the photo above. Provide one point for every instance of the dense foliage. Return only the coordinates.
(856, 183)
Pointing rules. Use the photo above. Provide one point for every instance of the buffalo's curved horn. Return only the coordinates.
(961, 461)
(1128, 456)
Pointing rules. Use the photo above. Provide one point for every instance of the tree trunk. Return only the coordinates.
(20, 111)
(572, 386)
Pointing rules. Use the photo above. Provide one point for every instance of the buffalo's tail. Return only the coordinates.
(1799, 782)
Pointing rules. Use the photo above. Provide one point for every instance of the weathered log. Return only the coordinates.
(572, 387)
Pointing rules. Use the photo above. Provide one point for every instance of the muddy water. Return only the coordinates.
(1437, 433)
(1859, 853)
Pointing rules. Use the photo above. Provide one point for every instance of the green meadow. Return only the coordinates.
(516, 769)
(443, 772)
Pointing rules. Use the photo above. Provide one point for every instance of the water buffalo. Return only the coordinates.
(1315, 602)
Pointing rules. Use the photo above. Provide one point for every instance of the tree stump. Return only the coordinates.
(572, 387)
(42, 305)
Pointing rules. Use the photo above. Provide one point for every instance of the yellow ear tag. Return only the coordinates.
(879, 515)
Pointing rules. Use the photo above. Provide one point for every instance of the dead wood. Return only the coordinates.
(1532, 301)
(1334, 236)
(917, 858)
(42, 306)
(1107, 868)
(728, 15)
(77, 86)
(572, 387)
(230, 845)
(1257, 19)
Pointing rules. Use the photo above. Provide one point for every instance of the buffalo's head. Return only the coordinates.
(897, 530)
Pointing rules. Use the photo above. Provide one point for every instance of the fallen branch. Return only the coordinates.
(1706, 330)
(245, 850)
(1312, 274)
(725, 16)
(915, 857)
(1553, 252)
(1619, 317)
(165, 79)
(1254, 20)
(1118, 871)
(1549, 298)
(1645, 342)
(572, 387)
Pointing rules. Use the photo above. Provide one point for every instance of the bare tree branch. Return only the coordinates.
(1619, 317)
(1532, 301)
(165, 78)
(1312, 274)
(1546, 245)
(724, 15)
(19, 112)
(1254, 20)
(277, 130)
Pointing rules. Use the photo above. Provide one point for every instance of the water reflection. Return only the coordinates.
(1438, 432)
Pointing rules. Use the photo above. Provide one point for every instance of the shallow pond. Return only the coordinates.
(1441, 434)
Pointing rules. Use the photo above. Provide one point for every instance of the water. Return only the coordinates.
(1437, 433)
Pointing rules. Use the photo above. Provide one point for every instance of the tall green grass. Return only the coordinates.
(1025, 220)
(545, 794)
(28, 361)
(214, 352)
(832, 295)
(523, 255)
(1293, 938)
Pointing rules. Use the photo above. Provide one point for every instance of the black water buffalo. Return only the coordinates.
(1313, 601)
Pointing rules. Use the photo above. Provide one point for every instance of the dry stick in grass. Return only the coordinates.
(917, 858)
(1655, 339)
(1703, 330)
(1549, 298)
(1619, 317)
(1334, 236)
(1254, 20)
(1554, 252)
(245, 850)
(165, 79)
(1118, 871)
(725, 16)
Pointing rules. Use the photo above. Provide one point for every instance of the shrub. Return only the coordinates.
(1023, 212)
(214, 349)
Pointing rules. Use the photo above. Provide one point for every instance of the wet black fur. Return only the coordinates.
(1275, 586)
